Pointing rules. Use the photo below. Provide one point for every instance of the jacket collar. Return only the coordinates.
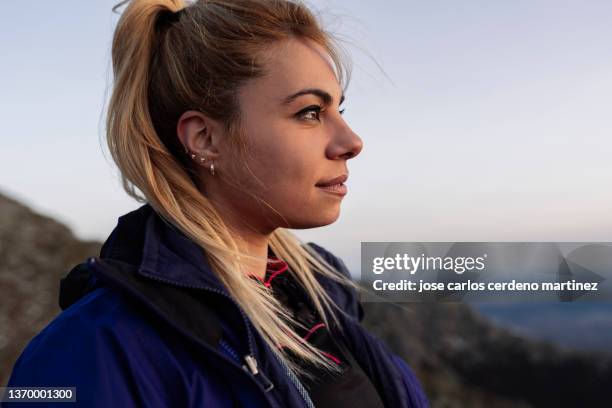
(161, 251)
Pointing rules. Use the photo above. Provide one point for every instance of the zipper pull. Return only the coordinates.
(251, 365)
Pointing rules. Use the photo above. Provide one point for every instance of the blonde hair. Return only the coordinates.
(169, 57)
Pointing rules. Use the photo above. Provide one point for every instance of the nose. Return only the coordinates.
(348, 144)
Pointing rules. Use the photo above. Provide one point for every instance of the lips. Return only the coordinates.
(337, 180)
(334, 186)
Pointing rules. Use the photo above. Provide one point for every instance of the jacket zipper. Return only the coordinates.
(251, 362)
(303, 393)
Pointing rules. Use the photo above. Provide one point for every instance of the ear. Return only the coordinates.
(199, 133)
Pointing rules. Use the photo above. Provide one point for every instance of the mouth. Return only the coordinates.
(335, 185)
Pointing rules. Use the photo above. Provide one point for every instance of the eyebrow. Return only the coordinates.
(325, 96)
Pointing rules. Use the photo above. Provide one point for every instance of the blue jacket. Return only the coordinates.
(149, 324)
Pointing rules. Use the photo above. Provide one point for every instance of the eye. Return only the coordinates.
(316, 109)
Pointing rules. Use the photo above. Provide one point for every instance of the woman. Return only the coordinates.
(225, 121)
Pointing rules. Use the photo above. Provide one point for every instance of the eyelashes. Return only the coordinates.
(317, 109)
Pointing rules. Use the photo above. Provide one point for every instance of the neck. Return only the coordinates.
(252, 238)
(250, 242)
(255, 245)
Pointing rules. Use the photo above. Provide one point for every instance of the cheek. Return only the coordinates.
(291, 178)
(285, 163)
(288, 183)
(288, 165)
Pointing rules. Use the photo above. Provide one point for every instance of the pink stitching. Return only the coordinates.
(312, 330)
(275, 274)
(271, 265)
(334, 358)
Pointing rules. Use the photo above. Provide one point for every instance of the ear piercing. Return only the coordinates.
(202, 160)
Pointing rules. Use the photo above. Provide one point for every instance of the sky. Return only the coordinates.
(481, 120)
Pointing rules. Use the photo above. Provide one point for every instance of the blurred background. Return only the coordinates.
(481, 121)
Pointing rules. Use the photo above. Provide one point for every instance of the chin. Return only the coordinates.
(317, 220)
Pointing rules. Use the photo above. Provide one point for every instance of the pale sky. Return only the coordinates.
(486, 120)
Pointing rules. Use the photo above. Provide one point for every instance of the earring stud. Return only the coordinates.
(202, 160)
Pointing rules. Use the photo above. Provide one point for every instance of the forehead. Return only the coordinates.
(293, 65)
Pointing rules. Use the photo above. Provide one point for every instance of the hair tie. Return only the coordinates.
(167, 17)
